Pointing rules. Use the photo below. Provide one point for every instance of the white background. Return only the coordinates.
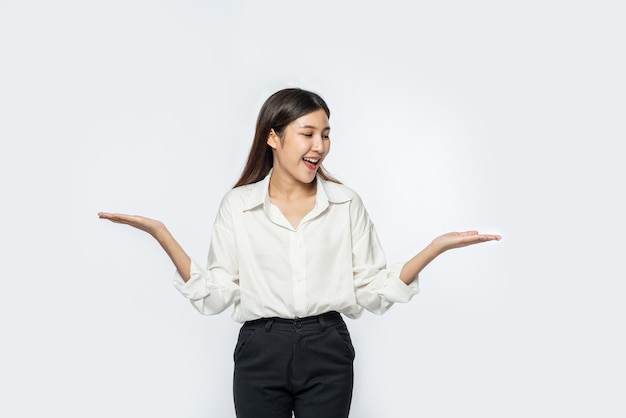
(507, 117)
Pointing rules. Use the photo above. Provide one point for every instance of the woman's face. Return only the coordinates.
(304, 145)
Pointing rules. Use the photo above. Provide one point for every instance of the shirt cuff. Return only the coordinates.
(196, 287)
(395, 289)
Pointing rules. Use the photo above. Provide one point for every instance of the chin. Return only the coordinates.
(308, 179)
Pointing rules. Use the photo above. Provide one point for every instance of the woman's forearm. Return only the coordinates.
(415, 265)
(179, 257)
(158, 230)
(439, 245)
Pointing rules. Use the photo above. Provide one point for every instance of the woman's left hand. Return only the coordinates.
(452, 240)
(442, 243)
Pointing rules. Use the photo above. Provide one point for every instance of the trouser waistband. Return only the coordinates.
(317, 322)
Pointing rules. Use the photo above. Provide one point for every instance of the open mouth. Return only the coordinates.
(311, 163)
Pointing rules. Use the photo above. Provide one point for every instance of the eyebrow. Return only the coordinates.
(313, 127)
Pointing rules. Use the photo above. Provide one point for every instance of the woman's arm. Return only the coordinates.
(438, 246)
(163, 236)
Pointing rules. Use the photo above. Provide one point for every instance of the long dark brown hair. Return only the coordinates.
(278, 111)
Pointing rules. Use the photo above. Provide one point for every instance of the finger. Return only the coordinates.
(475, 234)
(468, 233)
(482, 238)
(107, 215)
(492, 237)
(118, 218)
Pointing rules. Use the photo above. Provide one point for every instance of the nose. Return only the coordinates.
(318, 143)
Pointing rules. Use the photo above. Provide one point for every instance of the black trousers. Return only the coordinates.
(301, 365)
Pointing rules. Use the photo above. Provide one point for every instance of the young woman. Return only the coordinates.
(292, 249)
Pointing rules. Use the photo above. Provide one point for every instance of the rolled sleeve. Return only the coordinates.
(377, 286)
(196, 287)
(206, 291)
(215, 288)
(395, 289)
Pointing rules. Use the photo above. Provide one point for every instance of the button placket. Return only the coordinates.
(298, 263)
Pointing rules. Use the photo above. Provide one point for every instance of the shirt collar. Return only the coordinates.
(327, 192)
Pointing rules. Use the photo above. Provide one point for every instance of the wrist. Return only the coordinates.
(435, 249)
(161, 233)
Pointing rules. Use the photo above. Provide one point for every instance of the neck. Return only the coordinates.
(283, 188)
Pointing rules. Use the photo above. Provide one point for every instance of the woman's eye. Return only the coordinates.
(326, 136)
(308, 135)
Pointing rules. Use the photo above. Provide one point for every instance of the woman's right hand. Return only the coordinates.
(151, 226)
(158, 230)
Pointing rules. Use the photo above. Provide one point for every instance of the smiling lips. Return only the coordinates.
(311, 163)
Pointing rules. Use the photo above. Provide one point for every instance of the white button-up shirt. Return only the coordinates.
(263, 266)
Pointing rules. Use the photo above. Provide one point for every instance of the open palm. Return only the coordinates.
(462, 239)
(151, 226)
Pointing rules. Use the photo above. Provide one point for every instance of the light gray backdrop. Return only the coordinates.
(507, 117)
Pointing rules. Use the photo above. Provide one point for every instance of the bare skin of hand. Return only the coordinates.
(158, 230)
(438, 246)
(151, 226)
(452, 240)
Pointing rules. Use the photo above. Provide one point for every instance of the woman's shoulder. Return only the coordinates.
(339, 192)
(245, 196)
(234, 203)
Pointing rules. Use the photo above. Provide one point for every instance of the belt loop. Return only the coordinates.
(322, 323)
(268, 326)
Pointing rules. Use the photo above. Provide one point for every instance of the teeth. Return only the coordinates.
(311, 160)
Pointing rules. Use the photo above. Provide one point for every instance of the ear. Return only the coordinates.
(273, 139)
